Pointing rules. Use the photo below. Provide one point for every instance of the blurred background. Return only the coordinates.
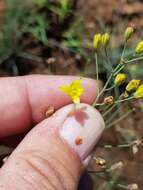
(55, 37)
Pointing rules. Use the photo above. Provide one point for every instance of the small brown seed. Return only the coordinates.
(109, 100)
(100, 162)
(50, 111)
(51, 60)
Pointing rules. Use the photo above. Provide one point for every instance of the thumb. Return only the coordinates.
(50, 157)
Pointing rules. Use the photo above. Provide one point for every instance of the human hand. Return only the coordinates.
(52, 154)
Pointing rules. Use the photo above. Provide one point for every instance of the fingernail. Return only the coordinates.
(82, 129)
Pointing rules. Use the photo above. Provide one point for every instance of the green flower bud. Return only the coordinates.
(96, 41)
(139, 47)
(128, 32)
(105, 39)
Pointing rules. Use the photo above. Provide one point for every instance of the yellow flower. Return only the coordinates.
(132, 85)
(96, 41)
(105, 39)
(139, 92)
(139, 47)
(73, 90)
(128, 32)
(120, 79)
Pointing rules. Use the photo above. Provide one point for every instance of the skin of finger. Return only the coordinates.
(51, 168)
(42, 160)
(24, 100)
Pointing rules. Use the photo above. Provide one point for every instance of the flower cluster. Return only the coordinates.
(117, 80)
(132, 90)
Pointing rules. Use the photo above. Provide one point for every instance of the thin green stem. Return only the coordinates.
(112, 116)
(110, 109)
(108, 180)
(107, 65)
(107, 89)
(126, 99)
(108, 59)
(121, 186)
(135, 59)
(122, 67)
(109, 146)
(125, 145)
(123, 52)
(105, 86)
(117, 94)
(120, 119)
(100, 104)
(117, 67)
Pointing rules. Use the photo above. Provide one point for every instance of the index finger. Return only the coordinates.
(24, 100)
